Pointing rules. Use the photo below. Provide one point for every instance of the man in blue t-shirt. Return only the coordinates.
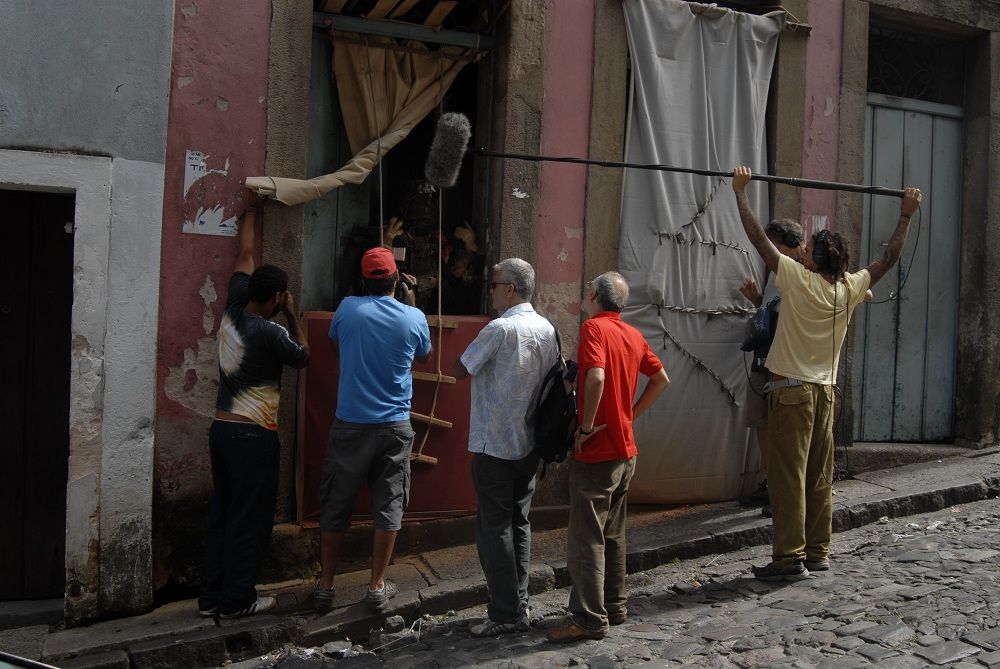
(371, 438)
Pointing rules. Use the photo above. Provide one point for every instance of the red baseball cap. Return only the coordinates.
(377, 263)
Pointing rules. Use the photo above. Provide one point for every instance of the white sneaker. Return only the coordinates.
(260, 606)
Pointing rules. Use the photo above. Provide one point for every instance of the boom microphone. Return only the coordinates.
(447, 150)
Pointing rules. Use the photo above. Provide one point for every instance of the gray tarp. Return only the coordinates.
(700, 84)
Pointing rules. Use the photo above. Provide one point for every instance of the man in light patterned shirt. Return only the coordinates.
(508, 361)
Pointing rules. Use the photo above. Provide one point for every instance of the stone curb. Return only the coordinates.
(213, 646)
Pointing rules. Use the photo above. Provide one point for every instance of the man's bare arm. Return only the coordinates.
(459, 371)
(767, 250)
(593, 390)
(247, 235)
(657, 384)
(294, 327)
(879, 268)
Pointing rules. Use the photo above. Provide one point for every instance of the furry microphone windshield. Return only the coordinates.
(447, 150)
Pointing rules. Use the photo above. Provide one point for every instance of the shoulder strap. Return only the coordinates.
(558, 341)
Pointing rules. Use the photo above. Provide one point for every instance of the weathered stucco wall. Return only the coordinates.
(567, 77)
(977, 404)
(218, 93)
(79, 85)
(517, 128)
(284, 227)
(821, 123)
(567, 80)
(108, 520)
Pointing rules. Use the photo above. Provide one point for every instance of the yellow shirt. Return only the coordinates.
(813, 321)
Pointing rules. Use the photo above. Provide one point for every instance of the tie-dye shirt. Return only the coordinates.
(252, 351)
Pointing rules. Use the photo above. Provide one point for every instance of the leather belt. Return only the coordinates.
(771, 386)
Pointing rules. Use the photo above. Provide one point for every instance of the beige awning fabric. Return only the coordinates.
(384, 93)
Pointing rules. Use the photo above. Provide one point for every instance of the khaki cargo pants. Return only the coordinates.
(800, 472)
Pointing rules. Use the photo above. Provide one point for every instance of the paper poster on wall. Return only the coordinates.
(207, 197)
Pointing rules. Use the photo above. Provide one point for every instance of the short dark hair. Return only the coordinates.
(785, 231)
(266, 281)
(382, 285)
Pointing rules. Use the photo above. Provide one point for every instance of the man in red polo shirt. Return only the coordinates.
(611, 354)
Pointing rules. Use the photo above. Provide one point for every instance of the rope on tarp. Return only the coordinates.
(695, 360)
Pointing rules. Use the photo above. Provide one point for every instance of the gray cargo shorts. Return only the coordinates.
(375, 455)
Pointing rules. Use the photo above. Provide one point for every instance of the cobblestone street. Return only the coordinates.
(911, 592)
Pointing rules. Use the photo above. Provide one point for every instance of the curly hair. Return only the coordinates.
(835, 256)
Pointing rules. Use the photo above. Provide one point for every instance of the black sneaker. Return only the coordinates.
(323, 599)
(817, 565)
(378, 599)
(260, 606)
(796, 572)
(758, 497)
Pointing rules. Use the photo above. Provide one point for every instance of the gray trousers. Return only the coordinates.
(503, 535)
(595, 551)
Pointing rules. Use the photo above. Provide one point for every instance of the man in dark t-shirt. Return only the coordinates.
(243, 440)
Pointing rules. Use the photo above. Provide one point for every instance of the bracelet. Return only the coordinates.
(586, 432)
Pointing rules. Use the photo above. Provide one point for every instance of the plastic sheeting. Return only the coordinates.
(699, 95)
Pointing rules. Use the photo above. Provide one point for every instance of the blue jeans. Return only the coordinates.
(503, 534)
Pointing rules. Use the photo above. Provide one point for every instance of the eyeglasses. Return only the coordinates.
(494, 284)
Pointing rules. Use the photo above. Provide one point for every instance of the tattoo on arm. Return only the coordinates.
(880, 267)
(756, 234)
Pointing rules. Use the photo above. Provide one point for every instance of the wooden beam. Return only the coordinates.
(381, 8)
(424, 459)
(434, 322)
(326, 21)
(427, 376)
(402, 8)
(421, 418)
(333, 6)
(440, 12)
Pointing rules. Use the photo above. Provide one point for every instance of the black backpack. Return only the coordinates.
(555, 411)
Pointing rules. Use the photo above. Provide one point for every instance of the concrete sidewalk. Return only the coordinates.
(435, 582)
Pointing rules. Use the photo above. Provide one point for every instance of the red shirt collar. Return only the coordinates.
(614, 315)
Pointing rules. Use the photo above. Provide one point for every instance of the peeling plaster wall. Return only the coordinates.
(821, 128)
(517, 118)
(79, 82)
(127, 434)
(567, 80)
(218, 92)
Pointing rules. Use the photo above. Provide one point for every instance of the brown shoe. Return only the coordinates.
(572, 632)
(616, 618)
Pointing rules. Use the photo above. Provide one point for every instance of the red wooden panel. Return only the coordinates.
(441, 489)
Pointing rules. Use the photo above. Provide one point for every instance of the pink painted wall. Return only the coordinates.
(568, 83)
(218, 88)
(822, 111)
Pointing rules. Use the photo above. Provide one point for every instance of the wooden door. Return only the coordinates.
(36, 299)
(904, 362)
